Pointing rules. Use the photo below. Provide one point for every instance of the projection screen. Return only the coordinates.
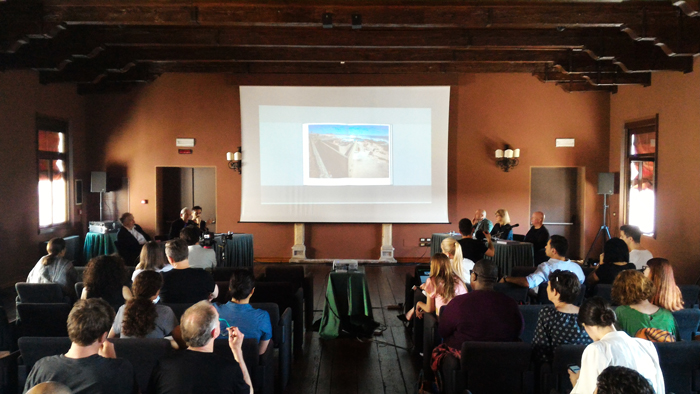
(344, 154)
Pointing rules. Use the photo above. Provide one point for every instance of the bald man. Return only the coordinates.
(480, 224)
(538, 235)
(179, 224)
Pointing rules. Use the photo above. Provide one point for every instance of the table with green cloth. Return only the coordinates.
(437, 239)
(98, 244)
(507, 254)
(347, 294)
(237, 251)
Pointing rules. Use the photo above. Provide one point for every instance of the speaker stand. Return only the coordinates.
(604, 230)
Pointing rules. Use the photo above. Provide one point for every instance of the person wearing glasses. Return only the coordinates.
(254, 323)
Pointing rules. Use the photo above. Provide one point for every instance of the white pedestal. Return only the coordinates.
(387, 251)
(299, 249)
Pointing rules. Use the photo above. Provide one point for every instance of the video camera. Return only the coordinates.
(207, 239)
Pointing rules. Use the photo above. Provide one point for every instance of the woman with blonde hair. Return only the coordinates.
(152, 258)
(632, 291)
(667, 295)
(461, 266)
(502, 229)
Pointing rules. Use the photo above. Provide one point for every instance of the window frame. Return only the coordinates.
(50, 124)
(630, 128)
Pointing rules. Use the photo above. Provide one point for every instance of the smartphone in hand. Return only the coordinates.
(574, 368)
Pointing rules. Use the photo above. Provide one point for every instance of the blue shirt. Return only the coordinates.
(543, 270)
(253, 323)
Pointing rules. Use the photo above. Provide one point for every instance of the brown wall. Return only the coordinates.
(674, 96)
(136, 132)
(21, 99)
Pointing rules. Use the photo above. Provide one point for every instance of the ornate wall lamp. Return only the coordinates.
(234, 160)
(508, 158)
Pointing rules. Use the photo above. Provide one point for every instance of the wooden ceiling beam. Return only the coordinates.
(596, 79)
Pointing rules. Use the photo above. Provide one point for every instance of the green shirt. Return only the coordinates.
(632, 320)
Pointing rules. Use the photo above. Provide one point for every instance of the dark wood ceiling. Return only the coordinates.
(112, 45)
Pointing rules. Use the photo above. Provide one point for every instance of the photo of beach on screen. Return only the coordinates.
(347, 154)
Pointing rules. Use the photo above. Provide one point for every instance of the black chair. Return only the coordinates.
(556, 376)
(518, 293)
(43, 320)
(40, 293)
(260, 367)
(418, 324)
(530, 315)
(680, 365)
(7, 334)
(431, 339)
(224, 293)
(687, 321)
(80, 271)
(222, 274)
(519, 237)
(178, 309)
(143, 354)
(492, 367)
(34, 349)
(605, 291)
(296, 275)
(281, 338)
(690, 295)
(79, 286)
(285, 295)
(522, 272)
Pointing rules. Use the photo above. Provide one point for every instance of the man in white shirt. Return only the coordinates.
(556, 249)
(632, 237)
(198, 256)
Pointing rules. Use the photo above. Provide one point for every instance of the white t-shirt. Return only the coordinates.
(467, 265)
(167, 268)
(618, 349)
(640, 257)
(201, 258)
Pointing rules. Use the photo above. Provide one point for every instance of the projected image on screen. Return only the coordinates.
(347, 154)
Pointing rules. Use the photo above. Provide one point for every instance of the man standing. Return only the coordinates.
(632, 237)
(198, 256)
(471, 248)
(197, 369)
(180, 223)
(538, 235)
(91, 365)
(480, 224)
(556, 250)
(130, 239)
(182, 284)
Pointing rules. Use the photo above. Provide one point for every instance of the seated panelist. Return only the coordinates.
(130, 238)
(502, 229)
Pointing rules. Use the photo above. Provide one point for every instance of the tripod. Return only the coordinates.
(604, 230)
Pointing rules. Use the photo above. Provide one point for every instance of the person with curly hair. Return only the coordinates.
(632, 291)
(612, 347)
(667, 295)
(55, 268)
(104, 278)
(623, 380)
(152, 258)
(141, 318)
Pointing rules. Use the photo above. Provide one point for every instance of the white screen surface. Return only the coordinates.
(344, 154)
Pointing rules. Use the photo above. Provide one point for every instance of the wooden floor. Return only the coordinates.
(382, 365)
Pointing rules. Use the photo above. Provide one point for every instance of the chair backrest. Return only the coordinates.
(518, 293)
(564, 355)
(79, 286)
(6, 342)
(605, 291)
(80, 271)
(143, 354)
(690, 295)
(224, 293)
(521, 272)
(687, 321)
(250, 356)
(178, 309)
(285, 273)
(34, 349)
(40, 293)
(273, 310)
(43, 320)
(497, 367)
(530, 315)
(542, 297)
(221, 274)
(680, 365)
(518, 237)
(431, 338)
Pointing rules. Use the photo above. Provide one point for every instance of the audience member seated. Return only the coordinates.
(632, 291)
(473, 249)
(104, 277)
(91, 365)
(613, 260)
(199, 257)
(481, 224)
(440, 288)
(667, 295)
(558, 324)
(612, 348)
(538, 236)
(130, 239)
(483, 315)
(182, 284)
(55, 268)
(253, 323)
(198, 369)
(50, 388)
(141, 317)
(152, 259)
(180, 223)
(460, 266)
(196, 217)
(633, 238)
(622, 380)
(556, 249)
(502, 229)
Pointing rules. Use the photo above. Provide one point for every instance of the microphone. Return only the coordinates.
(515, 225)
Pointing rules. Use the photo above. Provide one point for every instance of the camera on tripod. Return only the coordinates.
(207, 239)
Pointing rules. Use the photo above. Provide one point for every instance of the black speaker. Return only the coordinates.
(606, 183)
(98, 181)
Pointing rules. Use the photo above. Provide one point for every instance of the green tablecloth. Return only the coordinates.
(97, 244)
(437, 238)
(238, 252)
(347, 294)
(509, 254)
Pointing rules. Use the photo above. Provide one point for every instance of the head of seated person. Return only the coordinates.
(56, 248)
(616, 251)
(466, 227)
(152, 257)
(89, 321)
(484, 275)
(104, 277)
(563, 287)
(140, 312)
(622, 380)
(557, 247)
(596, 317)
(667, 295)
(632, 287)
(241, 285)
(200, 325)
(177, 253)
(191, 234)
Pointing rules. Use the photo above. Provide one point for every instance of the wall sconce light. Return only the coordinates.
(508, 158)
(234, 160)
